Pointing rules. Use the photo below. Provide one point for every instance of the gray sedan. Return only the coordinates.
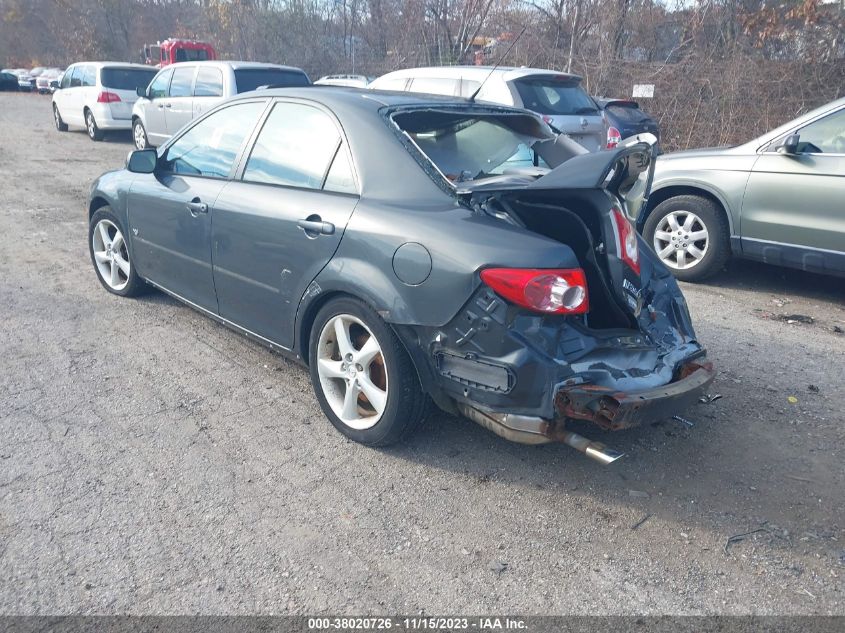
(389, 242)
(779, 199)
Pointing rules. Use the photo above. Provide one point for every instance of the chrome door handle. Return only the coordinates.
(167, 105)
(195, 207)
(314, 226)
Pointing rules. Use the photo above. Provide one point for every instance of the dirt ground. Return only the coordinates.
(153, 461)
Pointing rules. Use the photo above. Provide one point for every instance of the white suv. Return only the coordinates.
(99, 96)
(557, 97)
(180, 92)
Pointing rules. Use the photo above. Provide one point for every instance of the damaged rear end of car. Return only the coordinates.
(606, 336)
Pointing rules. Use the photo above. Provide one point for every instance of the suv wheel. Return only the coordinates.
(61, 126)
(95, 133)
(364, 379)
(139, 135)
(690, 235)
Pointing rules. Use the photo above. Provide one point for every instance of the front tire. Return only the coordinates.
(139, 135)
(61, 126)
(110, 255)
(690, 235)
(94, 132)
(364, 379)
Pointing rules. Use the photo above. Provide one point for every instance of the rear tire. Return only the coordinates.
(364, 379)
(61, 126)
(94, 133)
(690, 235)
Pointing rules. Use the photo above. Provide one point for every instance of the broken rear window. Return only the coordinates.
(474, 145)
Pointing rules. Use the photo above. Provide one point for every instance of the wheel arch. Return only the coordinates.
(97, 203)
(311, 308)
(674, 190)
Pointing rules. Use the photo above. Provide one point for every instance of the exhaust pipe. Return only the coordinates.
(525, 429)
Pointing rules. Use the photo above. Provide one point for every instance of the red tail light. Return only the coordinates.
(614, 137)
(548, 290)
(108, 97)
(626, 240)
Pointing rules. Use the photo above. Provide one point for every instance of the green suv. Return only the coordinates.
(778, 199)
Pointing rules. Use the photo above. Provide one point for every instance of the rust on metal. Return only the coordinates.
(613, 410)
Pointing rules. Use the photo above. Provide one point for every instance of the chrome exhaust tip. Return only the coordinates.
(593, 450)
(531, 430)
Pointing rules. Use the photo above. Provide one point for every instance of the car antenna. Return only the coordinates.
(498, 62)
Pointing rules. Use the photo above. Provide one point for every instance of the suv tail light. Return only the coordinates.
(547, 290)
(614, 137)
(108, 97)
(626, 239)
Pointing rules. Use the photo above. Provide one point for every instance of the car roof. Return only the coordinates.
(504, 73)
(339, 96)
(235, 65)
(114, 64)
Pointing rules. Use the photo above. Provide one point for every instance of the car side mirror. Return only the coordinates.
(790, 145)
(141, 92)
(142, 161)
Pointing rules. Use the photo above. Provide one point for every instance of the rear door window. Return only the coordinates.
(211, 147)
(555, 97)
(88, 76)
(294, 148)
(247, 79)
(158, 88)
(180, 85)
(209, 82)
(126, 78)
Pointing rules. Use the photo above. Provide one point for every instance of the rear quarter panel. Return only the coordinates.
(459, 243)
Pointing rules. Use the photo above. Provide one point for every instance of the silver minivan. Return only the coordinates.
(558, 97)
(180, 92)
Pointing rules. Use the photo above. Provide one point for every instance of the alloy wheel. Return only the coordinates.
(57, 118)
(89, 123)
(352, 372)
(140, 137)
(681, 240)
(111, 255)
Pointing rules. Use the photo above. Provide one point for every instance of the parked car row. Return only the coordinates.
(705, 206)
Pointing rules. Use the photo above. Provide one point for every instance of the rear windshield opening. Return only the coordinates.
(248, 79)
(555, 97)
(470, 146)
(126, 78)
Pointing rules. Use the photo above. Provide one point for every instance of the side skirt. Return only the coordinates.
(284, 351)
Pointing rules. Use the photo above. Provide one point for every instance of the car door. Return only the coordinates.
(208, 89)
(278, 225)
(64, 96)
(793, 211)
(179, 109)
(154, 109)
(170, 210)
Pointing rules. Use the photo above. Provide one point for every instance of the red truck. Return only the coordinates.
(172, 50)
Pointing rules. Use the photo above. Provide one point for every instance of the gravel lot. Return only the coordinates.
(152, 461)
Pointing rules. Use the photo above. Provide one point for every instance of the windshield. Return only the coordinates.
(472, 146)
(126, 78)
(251, 78)
(555, 97)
